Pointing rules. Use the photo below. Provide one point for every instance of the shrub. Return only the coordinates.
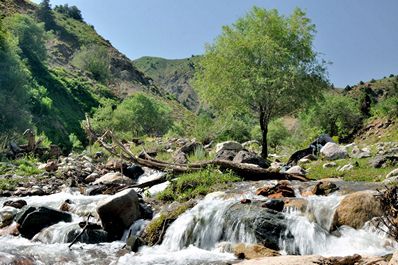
(70, 11)
(95, 60)
(277, 134)
(387, 108)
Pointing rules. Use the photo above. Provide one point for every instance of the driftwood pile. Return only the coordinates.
(388, 223)
(248, 172)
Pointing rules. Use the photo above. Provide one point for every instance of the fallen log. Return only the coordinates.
(245, 171)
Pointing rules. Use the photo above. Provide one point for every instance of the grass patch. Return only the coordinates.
(363, 171)
(196, 184)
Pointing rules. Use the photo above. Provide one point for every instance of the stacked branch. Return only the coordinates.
(245, 171)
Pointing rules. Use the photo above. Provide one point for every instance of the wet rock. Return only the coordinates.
(245, 156)
(276, 205)
(245, 201)
(356, 209)
(11, 230)
(280, 190)
(133, 243)
(180, 158)
(296, 203)
(332, 151)
(15, 203)
(133, 171)
(93, 235)
(296, 170)
(34, 219)
(113, 178)
(118, 212)
(146, 211)
(7, 215)
(324, 188)
(382, 160)
(252, 251)
(229, 145)
(115, 164)
(268, 226)
(226, 155)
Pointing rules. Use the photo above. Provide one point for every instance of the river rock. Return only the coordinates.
(296, 203)
(15, 203)
(34, 219)
(180, 158)
(89, 236)
(133, 243)
(360, 153)
(118, 212)
(113, 178)
(229, 145)
(226, 155)
(245, 156)
(324, 188)
(276, 205)
(50, 166)
(252, 251)
(7, 215)
(333, 151)
(356, 209)
(381, 160)
(268, 226)
(296, 170)
(91, 178)
(280, 190)
(133, 171)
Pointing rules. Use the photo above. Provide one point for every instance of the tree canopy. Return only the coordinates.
(264, 64)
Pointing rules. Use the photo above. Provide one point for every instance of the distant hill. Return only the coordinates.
(378, 89)
(173, 76)
(72, 90)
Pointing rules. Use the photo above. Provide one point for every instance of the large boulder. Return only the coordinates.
(229, 145)
(332, 151)
(245, 156)
(33, 219)
(356, 209)
(382, 160)
(226, 155)
(133, 171)
(118, 212)
(113, 178)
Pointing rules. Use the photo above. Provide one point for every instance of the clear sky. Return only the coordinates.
(359, 37)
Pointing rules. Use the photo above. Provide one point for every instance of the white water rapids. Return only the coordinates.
(202, 235)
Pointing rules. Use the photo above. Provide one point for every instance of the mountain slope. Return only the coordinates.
(173, 76)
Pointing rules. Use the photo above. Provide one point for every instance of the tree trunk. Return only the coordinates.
(264, 132)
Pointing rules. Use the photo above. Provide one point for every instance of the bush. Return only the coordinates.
(136, 116)
(95, 60)
(336, 115)
(277, 134)
(69, 11)
(387, 108)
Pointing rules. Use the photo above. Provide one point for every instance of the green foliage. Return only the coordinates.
(14, 114)
(192, 185)
(263, 63)
(76, 144)
(26, 166)
(45, 14)
(31, 36)
(336, 115)
(69, 11)
(387, 108)
(277, 134)
(95, 60)
(137, 115)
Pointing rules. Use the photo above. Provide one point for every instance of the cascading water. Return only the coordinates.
(309, 233)
(202, 235)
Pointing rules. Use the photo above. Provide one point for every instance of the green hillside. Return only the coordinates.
(173, 76)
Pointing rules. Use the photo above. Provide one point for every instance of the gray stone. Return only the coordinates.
(229, 145)
(244, 156)
(332, 151)
(180, 158)
(226, 155)
(118, 212)
(113, 178)
(296, 170)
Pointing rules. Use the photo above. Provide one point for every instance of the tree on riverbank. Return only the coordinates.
(264, 64)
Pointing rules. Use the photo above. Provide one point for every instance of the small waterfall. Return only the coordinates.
(308, 233)
(207, 224)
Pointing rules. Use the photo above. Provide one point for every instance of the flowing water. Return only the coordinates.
(202, 235)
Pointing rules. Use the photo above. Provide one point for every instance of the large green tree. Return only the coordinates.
(264, 64)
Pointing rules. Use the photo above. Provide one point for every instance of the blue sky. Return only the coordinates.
(359, 37)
